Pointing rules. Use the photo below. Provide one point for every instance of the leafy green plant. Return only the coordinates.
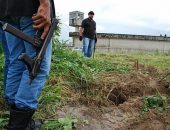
(3, 122)
(66, 123)
(155, 101)
(4, 116)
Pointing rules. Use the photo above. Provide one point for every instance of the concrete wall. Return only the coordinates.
(110, 44)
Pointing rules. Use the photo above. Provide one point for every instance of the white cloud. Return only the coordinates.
(137, 16)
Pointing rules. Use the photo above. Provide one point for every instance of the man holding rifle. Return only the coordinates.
(27, 16)
(88, 35)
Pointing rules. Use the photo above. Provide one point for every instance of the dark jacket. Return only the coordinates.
(21, 8)
(18, 7)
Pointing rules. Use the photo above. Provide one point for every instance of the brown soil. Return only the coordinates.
(114, 102)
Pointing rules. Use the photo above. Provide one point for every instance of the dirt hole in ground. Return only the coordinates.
(116, 96)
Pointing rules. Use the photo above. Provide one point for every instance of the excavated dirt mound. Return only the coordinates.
(114, 102)
(135, 85)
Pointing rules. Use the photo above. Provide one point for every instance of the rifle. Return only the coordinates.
(39, 44)
(95, 45)
(94, 49)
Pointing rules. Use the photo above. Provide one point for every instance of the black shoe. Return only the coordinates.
(19, 119)
(34, 124)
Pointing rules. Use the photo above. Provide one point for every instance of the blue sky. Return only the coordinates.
(144, 17)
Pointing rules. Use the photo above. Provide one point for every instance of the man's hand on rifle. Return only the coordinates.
(42, 19)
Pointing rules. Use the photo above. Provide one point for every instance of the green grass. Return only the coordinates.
(72, 69)
(156, 59)
(76, 68)
(159, 60)
(1, 73)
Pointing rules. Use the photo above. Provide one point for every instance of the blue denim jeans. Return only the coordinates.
(6, 54)
(88, 46)
(18, 91)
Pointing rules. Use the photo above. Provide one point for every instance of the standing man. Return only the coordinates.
(28, 16)
(88, 34)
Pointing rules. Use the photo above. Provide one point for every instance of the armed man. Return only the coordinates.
(88, 34)
(22, 98)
